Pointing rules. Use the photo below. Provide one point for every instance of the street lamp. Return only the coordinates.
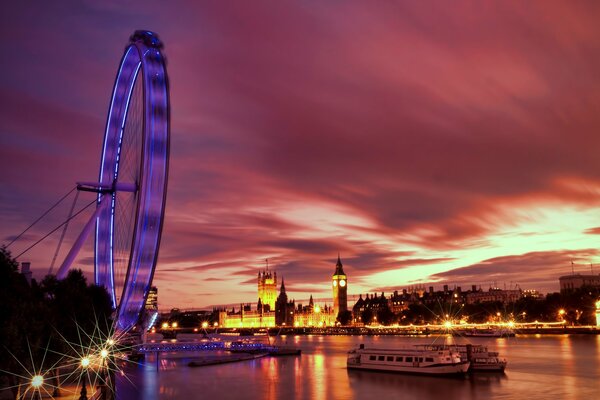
(37, 381)
(85, 363)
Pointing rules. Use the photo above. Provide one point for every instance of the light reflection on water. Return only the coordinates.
(558, 366)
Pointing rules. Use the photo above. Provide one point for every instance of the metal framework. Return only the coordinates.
(132, 183)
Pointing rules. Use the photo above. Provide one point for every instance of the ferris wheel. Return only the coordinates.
(132, 186)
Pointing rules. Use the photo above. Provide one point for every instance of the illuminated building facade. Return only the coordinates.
(272, 310)
(152, 299)
(339, 285)
(267, 289)
(284, 309)
(494, 295)
(314, 315)
(246, 318)
(151, 307)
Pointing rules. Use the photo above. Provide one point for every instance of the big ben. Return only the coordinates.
(339, 285)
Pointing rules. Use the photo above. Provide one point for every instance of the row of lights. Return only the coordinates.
(38, 380)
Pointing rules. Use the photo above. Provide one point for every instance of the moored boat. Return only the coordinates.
(410, 360)
(480, 358)
(488, 333)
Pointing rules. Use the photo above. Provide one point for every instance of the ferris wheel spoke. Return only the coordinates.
(136, 142)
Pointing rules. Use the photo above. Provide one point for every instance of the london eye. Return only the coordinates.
(132, 184)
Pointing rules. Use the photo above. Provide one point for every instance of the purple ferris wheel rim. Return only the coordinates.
(143, 59)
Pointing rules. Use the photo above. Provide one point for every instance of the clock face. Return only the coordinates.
(334, 283)
(342, 283)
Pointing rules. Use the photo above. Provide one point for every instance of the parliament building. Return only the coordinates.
(274, 309)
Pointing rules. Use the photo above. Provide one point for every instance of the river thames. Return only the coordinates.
(539, 367)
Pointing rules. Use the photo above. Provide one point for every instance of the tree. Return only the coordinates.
(344, 317)
(367, 316)
(37, 321)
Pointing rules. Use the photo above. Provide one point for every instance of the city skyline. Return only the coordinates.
(424, 144)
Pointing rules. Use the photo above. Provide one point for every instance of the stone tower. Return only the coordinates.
(267, 289)
(339, 285)
(284, 309)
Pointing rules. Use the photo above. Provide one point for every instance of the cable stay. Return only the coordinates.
(58, 227)
(42, 216)
(62, 236)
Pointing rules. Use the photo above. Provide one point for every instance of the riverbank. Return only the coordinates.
(397, 331)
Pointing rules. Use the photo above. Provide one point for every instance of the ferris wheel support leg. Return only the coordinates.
(66, 265)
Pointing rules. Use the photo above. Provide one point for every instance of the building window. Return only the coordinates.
(390, 358)
(398, 359)
(381, 358)
(372, 358)
(428, 359)
(409, 359)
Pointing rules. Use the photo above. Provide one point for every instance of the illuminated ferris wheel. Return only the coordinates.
(132, 186)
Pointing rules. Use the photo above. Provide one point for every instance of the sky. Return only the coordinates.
(427, 143)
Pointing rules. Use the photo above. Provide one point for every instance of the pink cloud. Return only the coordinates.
(427, 123)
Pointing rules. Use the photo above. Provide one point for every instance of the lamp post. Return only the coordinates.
(36, 383)
(103, 375)
(85, 363)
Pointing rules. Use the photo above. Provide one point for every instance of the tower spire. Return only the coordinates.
(282, 290)
(339, 267)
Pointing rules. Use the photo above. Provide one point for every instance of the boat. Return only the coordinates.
(495, 333)
(409, 360)
(480, 358)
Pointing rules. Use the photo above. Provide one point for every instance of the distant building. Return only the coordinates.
(532, 294)
(152, 299)
(370, 302)
(284, 309)
(267, 289)
(272, 310)
(26, 271)
(494, 295)
(314, 315)
(577, 281)
(151, 308)
(246, 318)
(339, 286)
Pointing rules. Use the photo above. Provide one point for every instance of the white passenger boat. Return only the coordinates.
(411, 360)
(481, 359)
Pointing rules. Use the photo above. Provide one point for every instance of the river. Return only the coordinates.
(539, 367)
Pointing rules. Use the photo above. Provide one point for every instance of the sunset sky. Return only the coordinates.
(426, 142)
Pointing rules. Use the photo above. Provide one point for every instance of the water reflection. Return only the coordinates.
(546, 367)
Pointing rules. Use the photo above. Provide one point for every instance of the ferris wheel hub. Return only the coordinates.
(97, 187)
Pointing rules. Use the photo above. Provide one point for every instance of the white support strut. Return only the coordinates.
(66, 265)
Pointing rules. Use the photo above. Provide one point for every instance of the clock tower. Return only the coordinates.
(339, 285)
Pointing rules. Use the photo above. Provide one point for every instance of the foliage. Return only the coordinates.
(41, 318)
(344, 317)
